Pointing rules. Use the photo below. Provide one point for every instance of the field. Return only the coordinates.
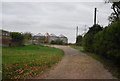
(28, 61)
(108, 64)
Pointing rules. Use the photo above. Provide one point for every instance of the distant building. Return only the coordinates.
(4, 33)
(63, 39)
(37, 39)
(5, 39)
(53, 37)
(47, 38)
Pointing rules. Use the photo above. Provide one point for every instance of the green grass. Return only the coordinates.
(108, 64)
(23, 61)
(78, 47)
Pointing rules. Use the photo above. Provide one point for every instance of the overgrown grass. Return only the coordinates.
(25, 61)
(108, 64)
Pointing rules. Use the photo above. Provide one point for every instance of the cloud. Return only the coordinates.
(52, 17)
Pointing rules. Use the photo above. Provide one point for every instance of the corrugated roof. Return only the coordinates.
(39, 34)
(52, 35)
(61, 35)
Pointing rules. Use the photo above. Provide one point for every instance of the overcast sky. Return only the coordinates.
(53, 17)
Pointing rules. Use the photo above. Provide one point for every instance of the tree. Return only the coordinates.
(116, 9)
(17, 38)
(112, 18)
(27, 35)
(79, 40)
(88, 39)
(107, 42)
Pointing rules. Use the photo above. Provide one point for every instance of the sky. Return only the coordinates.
(53, 17)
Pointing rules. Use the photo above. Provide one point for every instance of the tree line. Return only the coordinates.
(104, 41)
(20, 38)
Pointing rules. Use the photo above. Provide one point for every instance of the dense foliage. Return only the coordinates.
(27, 38)
(107, 42)
(79, 40)
(89, 36)
(27, 35)
(17, 38)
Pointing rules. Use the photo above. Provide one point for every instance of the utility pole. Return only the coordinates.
(76, 31)
(95, 16)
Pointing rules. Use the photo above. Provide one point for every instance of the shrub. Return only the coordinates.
(17, 38)
(107, 42)
(88, 39)
(79, 40)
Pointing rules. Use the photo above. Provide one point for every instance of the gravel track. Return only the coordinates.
(76, 65)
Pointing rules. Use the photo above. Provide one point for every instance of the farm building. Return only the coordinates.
(5, 39)
(63, 39)
(37, 39)
(47, 38)
(53, 37)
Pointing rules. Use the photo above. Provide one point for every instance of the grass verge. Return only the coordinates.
(24, 61)
(108, 64)
(78, 48)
